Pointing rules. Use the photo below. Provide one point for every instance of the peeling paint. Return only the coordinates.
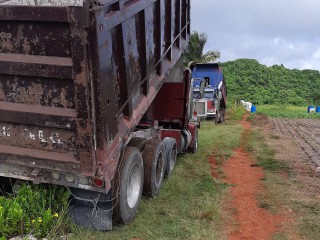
(26, 46)
(30, 90)
(5, 41)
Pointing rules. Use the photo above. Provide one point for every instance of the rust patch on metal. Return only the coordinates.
(5, 42)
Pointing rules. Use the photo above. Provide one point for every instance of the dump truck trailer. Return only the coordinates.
(94, 96)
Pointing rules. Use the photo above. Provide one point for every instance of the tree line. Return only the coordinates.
(249, 80)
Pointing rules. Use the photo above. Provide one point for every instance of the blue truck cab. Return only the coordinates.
(212, 102)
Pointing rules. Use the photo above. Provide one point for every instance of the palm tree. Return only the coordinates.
(194, 51)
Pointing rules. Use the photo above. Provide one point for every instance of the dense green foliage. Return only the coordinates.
(34, 209)
(249, 80)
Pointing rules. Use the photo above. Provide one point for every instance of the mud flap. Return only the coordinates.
(5, 186)
(91, 210)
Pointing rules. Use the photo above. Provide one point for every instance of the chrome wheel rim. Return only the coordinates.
(159, 169)
(173, 157)
(134, 186)
(196, 143)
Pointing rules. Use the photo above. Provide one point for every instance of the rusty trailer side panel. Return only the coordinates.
(76, 80)
(44, 92)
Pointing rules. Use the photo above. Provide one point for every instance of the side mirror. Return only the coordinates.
(202, 88)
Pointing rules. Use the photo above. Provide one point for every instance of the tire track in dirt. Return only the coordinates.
(251, 221)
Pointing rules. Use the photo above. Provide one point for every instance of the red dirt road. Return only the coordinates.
(250, 221)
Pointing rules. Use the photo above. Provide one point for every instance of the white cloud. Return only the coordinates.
(283, 43)
(306, 65)
(316, 54)
(291, 46)
(268, 61)
(268, 31)
(276, 41)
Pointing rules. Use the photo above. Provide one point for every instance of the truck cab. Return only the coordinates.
(211, 102)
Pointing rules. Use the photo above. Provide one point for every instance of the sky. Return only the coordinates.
(271, 31)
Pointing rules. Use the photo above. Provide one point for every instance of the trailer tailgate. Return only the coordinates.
(45, 120)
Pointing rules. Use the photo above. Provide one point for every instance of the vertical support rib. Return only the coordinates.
(168, 28)
(157, 36)
(121, 70)
(141, 25)
(188, 17)
(177, 25)
(184, 19)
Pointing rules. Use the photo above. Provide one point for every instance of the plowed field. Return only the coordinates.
(305, 132)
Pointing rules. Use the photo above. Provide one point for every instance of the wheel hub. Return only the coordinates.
(159, 169)
(134, 186)
(172, 158)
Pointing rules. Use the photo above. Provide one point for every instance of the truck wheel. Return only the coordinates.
(171, 151)
(137, 142)
(183, 142)
(154, 159)
(217, 117)
(194, 148)
(223, 112)
(128, 184)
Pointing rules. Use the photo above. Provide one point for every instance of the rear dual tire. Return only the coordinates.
(139, 174)
(154, 161)
(222, 113)
(220, 116)
(194, 147)
(217, 117)
(171, 151)
(128, 186)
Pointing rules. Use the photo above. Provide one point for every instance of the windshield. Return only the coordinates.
(208, 94)
(196, 95)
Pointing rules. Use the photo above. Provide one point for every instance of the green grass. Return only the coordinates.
(188, 206)
(235, 112)
(286, 111)
(264, 155)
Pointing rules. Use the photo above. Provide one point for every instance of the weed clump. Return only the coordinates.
(33, 210)
(236, 112)
(265, 156)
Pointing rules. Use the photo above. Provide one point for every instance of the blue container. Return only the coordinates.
(253, 109)
(318, 109)
(311, 109)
